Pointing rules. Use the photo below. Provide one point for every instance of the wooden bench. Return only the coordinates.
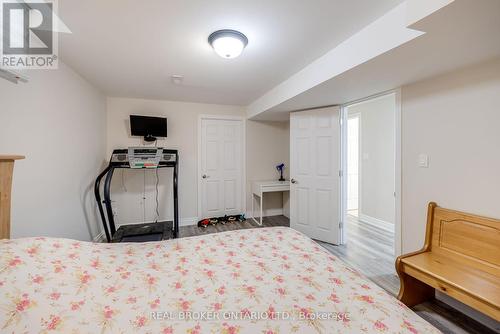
(461, 258)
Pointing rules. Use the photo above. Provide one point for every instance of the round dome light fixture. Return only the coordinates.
(228, 43)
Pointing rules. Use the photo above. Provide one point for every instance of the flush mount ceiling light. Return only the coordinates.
(228, 43)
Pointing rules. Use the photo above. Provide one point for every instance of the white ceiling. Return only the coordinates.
(461, 34)
(131, 48)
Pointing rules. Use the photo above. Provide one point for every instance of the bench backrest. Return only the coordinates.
(464, 237)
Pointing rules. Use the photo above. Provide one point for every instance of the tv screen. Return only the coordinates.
(148, 126)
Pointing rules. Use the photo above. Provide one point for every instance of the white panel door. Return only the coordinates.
(221, 167)
(314, 171)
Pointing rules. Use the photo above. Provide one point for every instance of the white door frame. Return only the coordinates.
(242, 119)
(398, 161)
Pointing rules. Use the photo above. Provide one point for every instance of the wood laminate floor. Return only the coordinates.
(370, 251)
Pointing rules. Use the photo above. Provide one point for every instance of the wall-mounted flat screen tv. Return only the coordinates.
(147, 126)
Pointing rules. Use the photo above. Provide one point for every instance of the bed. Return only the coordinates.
(269, 280)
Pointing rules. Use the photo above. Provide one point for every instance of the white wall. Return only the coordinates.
(57, 120)
(128, 191)
(377, 157)
(455, 120)
(267, 144)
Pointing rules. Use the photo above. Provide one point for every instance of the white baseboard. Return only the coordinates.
(188, 221)
(378, 223)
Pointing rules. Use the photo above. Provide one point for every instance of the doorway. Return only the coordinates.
(371, 187)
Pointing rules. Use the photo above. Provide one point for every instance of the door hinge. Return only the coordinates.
(341, 173)
(341, 225)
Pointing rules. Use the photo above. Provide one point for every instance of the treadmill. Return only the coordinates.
(137, 158)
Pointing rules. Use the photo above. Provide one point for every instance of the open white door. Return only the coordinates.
(221, 167)
(314, 171)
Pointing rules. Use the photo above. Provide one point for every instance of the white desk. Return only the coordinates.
(261, 187)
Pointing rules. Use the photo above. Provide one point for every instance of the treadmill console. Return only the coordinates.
(143, 157)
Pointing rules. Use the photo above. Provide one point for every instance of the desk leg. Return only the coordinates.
(253, 211)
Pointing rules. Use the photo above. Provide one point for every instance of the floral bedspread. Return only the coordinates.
(270, 280)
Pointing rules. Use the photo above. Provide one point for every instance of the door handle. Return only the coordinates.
(205, 176)
(293, 181)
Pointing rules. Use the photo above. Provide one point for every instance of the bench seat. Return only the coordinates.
(462, 282)
(467, 270)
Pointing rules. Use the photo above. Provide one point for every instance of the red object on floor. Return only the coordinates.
(204, 223)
